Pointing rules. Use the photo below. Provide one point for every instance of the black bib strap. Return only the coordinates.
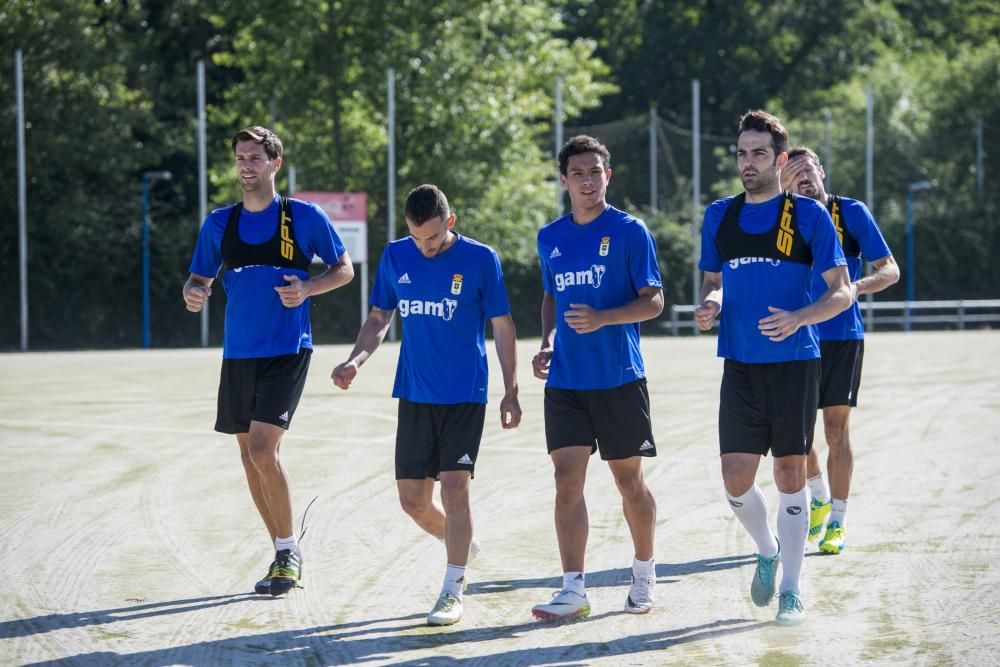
(783, 241)
(280, 250)
(847, 240)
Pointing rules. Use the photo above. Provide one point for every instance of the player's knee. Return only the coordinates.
(569, 483)
(414, 506)
(262, 455)
(631, 486)
(455, 497)
(837, 436)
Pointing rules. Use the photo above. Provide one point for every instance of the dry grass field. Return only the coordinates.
(128, 536)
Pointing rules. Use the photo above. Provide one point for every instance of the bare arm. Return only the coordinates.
(540, 362)
(886, 273)
(505, 339)
(196, 291)
(585, 319)
(710, 301)
(297, 290)
(369, 338)
(839, 295)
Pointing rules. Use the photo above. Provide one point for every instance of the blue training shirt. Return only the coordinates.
(602, 264)
(443, 303)
(257, 324)
(751, 284)
(849, 325)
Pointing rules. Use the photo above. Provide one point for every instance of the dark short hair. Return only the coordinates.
(260, 135)
(761, 121)
(425, 202)
(808, 152)
(579, 144)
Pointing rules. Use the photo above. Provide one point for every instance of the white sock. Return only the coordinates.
(574, 581)
(642, 569)
(839, 511)
(793, 528)
(752, 513)
(818, 488)
(454, 579)
(289, 543)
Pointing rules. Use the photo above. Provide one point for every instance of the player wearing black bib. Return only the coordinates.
(264, 246)
(842, 344)
(760, 249)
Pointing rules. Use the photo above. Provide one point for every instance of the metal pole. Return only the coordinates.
(653, 175)
(22, 201)
(827, 149)
(291, 180)
(979, 157)
(870, 185)
(695, 190)
(202, 180)
(364, 290)
(391, 171)
(559, 141)
(145, 262)
(909, 256)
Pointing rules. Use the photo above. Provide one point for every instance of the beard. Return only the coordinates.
(759, 182)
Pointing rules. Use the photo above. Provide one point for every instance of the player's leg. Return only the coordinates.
(793, 391)
(639, 507)
(819, 496)
(263, 586)
(458, 538)
(278, 388)
(570, 440)
(836, 423)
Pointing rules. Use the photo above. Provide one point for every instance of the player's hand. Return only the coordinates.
(791, 171)
(705, 314)
(195, 297)
(510, 410)
(540, 364)
(779, 325)
(583, 318)
(344, 374)
(294, 293)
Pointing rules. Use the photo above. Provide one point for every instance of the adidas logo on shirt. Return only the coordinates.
(555, 253)
(465, 460)
(646, 445)
(404, 279)
(284, 416)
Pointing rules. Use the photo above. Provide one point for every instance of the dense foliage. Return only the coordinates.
(110, 93)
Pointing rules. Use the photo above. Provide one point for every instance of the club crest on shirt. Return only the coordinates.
(456, 284)
(605, 246)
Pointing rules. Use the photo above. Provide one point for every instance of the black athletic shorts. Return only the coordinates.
(615, 420)
(432, 437)
(841, 380)
(263, 389)
(766, 407)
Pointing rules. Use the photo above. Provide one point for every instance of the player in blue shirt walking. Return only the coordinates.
(264, 246)
(601, 278)
(842, 344)
(760, 249)
(444, 287)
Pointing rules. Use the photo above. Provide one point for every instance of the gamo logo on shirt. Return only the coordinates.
(741, 261)
(591, 276)
(444, 308)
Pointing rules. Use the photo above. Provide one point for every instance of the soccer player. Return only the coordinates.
(264, 246)
(444, 287)
(600, 278)
(842, 343)
(759, 249)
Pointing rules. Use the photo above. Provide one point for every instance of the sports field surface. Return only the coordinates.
(129, 538)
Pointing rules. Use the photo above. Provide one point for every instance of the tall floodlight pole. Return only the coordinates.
(910, 261)
(979, 156)
(148, 178)
(391, 171)
(827, 149)
(202, 181)
(869, 185)
(653, 175)
(22, 201)
(695, 190)
(559, 141)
